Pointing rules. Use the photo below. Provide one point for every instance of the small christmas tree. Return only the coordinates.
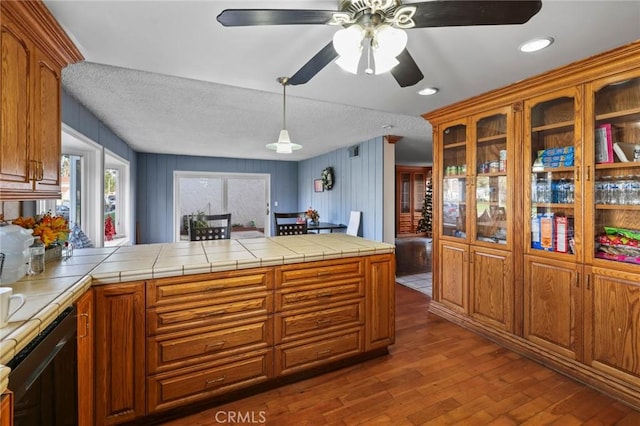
(109, 229)
(425, 223)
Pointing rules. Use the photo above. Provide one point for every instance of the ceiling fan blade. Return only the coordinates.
(248, 17)
(314, 65)
(449, 13)
(406, 72)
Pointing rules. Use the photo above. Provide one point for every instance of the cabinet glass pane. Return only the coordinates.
(419, 192)
(454, 208)
(617, 172)
(491, 179)
(552, 170)
(405, 192)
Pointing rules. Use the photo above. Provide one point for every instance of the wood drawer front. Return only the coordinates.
(318, 295)
(169, 390)
(317, 272)
(218, 310)
(171, 351)
(299, 324)
(168, 291)
(291, 358)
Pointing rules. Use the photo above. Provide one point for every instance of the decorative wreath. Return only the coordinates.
(327, 178)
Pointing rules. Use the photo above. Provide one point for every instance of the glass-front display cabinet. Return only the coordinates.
(613, 204)
(491, 135)
(454, 181)
(552, 178)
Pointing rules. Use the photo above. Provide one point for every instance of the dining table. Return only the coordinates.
(324, 226)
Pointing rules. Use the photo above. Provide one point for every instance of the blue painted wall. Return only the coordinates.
(79, 118)
(358, 186)
(155, 187)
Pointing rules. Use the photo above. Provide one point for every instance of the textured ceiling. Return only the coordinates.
(168, 78)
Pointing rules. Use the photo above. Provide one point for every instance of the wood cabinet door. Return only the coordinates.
(380, 296)
(120, 352)
(85, 323)
(612, 323)
(46, 134)
(454, 276)
(15, 85)
(491, 287)
(553, 305)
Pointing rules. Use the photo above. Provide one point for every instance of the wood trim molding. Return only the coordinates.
(392, 139)
(35, 18)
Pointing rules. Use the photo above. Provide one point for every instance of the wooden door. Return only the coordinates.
(491, 287)
(120, 352)
(85, 318)
(553, 305)
(612, 323)
(454, 276)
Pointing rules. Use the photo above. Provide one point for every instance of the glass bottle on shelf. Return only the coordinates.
(454, 182)
(551, 157)
(614, 158)
(491, 207)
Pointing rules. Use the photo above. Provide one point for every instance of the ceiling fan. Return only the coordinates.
(381, 23)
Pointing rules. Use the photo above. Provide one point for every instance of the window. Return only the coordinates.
(116, 200)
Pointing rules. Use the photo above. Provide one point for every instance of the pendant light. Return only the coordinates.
(284, 144)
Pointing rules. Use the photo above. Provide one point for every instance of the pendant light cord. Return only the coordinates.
(284, 104)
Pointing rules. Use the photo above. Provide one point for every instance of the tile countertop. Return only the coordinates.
(63, 282)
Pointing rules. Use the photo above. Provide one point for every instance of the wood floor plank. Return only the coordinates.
(436, 374)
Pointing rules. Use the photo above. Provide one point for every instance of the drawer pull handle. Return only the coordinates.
(323, 321)
(324, 273)
(323, 354)
(212, 313)
(325, 294)
(214, 346)
(214, 288)
(214, 382)
(86, 325)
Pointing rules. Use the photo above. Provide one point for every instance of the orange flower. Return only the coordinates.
(50, 229)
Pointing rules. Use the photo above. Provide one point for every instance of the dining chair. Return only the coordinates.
(354, 228)
(291, 223)
(210, 227)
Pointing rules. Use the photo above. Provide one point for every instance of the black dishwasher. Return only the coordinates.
(44, 376)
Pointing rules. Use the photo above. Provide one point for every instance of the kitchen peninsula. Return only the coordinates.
(182, 323)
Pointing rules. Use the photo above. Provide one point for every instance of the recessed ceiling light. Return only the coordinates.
(536, 44)
(428, 91)
(387, 126)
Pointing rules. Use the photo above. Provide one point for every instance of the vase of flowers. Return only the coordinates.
(52, 230)
(313, 215)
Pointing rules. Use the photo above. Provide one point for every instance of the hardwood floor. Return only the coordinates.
(436, 374)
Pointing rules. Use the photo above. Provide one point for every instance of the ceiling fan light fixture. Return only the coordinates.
(348, 45)
(389, 41)
(536, 44)
(383, 62)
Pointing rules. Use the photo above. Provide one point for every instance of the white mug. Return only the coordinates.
(6, 297)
